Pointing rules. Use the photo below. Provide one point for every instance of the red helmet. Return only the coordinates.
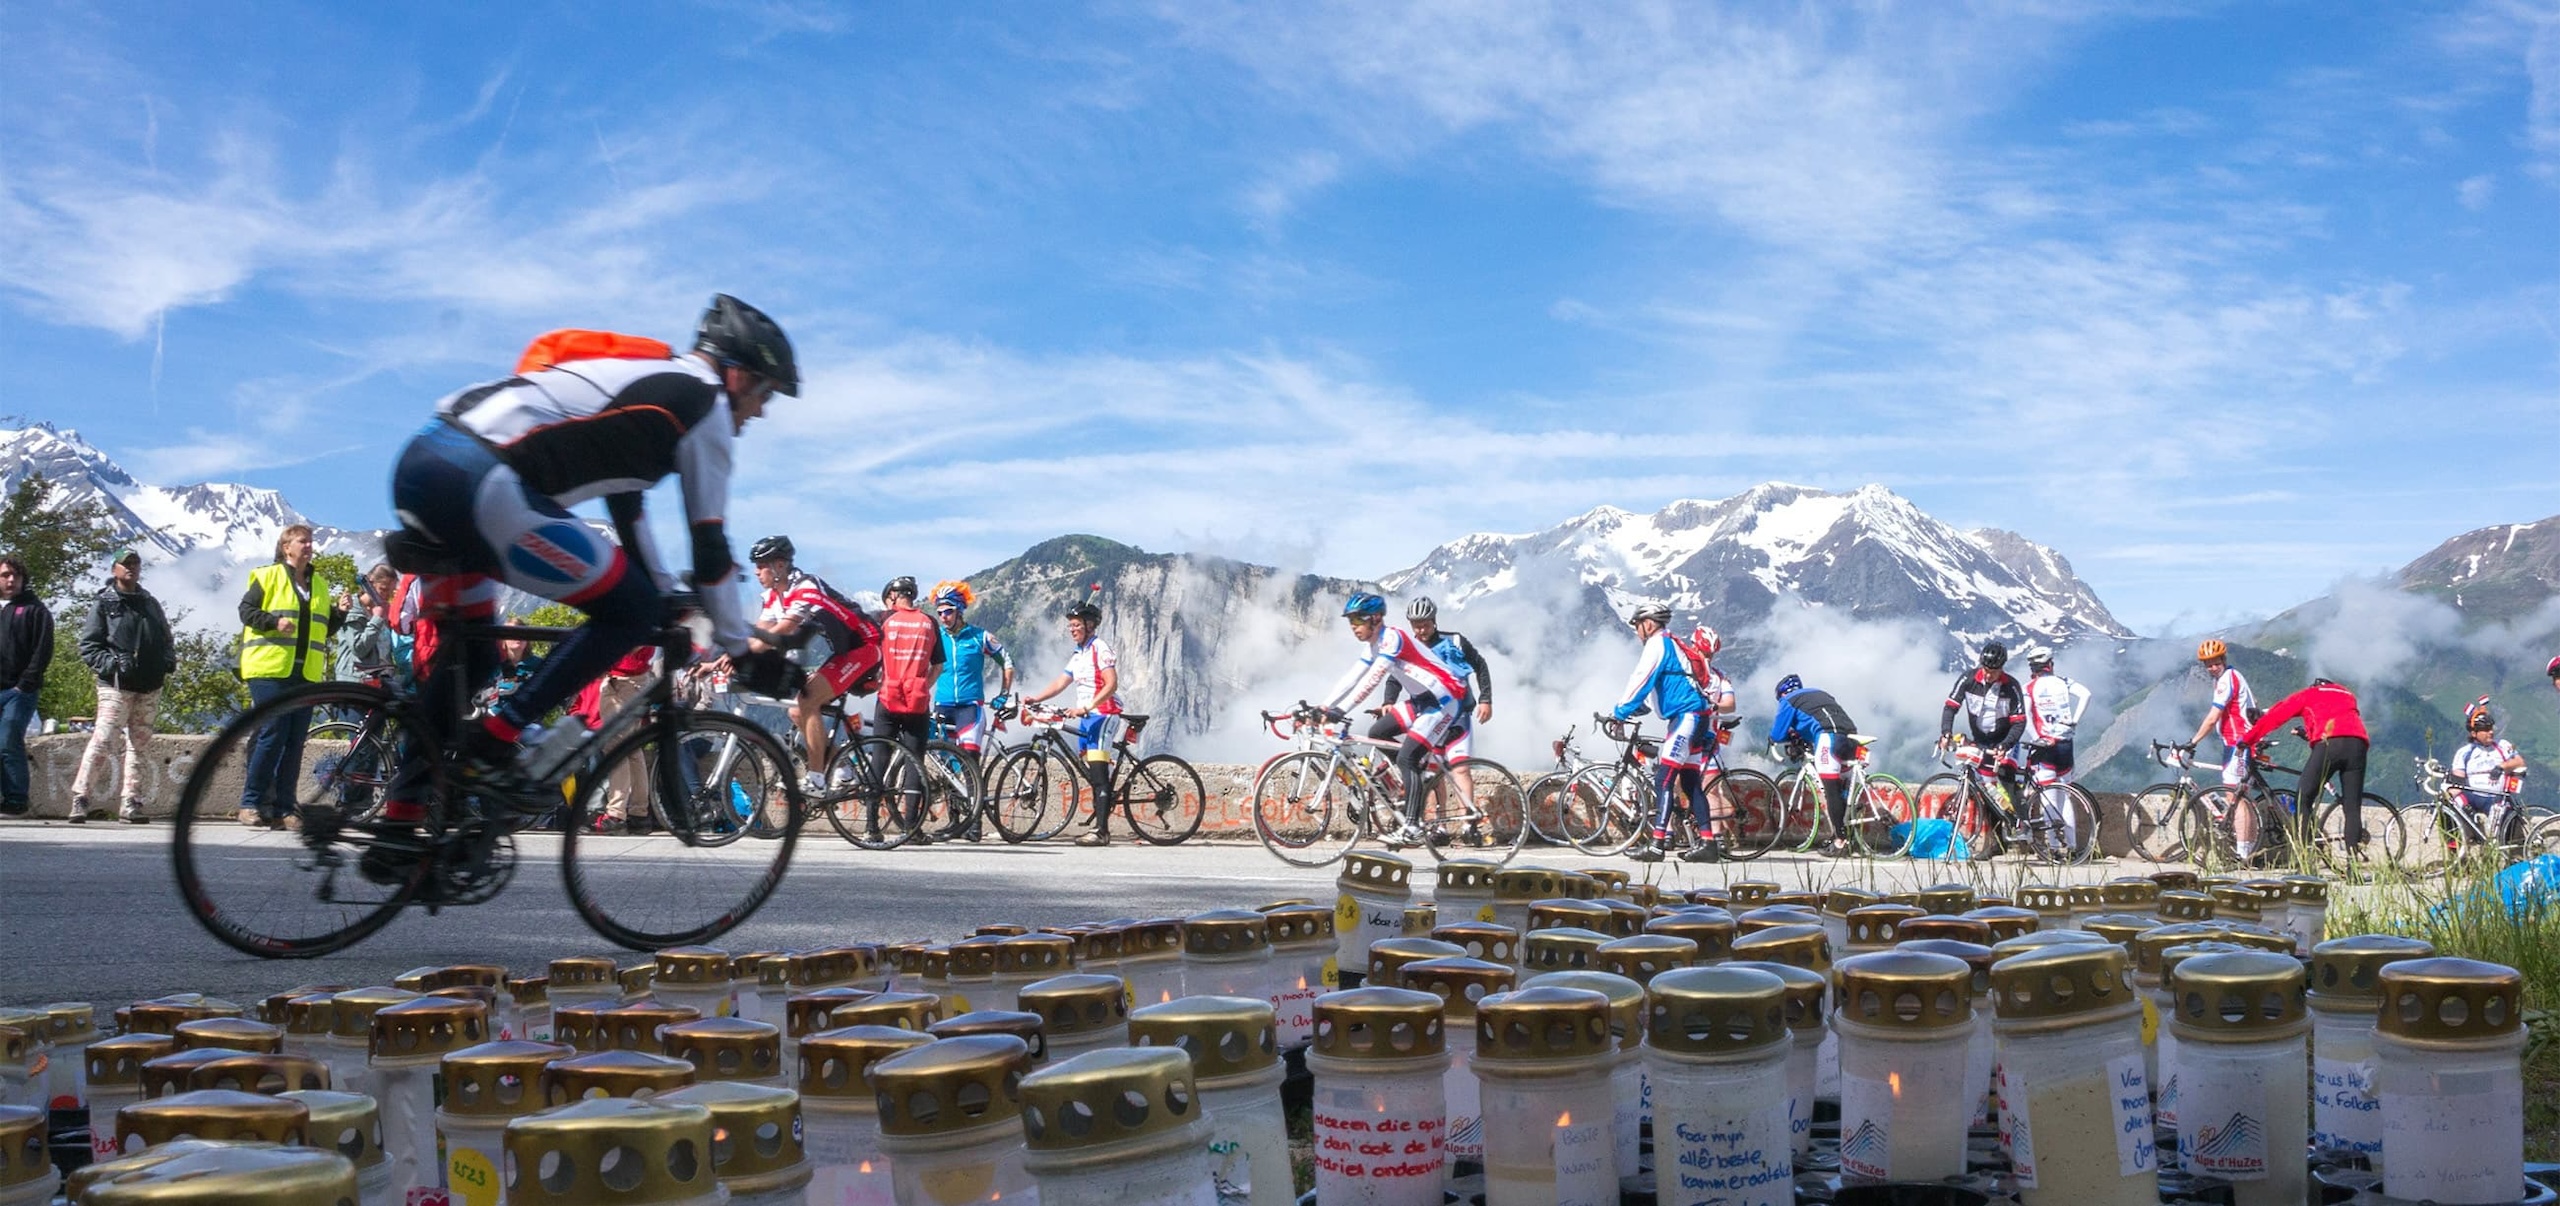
(2553, 669)
(1707, 643)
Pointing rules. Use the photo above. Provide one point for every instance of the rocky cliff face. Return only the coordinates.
(2492, 573)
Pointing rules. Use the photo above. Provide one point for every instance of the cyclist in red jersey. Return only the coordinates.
(799, 610)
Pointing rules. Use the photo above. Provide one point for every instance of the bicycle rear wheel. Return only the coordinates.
(284, 894)
(696, 881)
(1801, 823)
(1880, 818)
(1613, 806)
(1951, 797)
(1306, 808)
(1163, 799)
(2076, 842)
(861, 803)
(1742, 805)
(1488, 820)
(951, 791)
(2383, 838)
(2153, 817)
(1036, 791)
(2432, 839)
(1546, 797)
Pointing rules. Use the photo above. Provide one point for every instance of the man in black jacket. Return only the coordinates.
(127, 644)
(26, 648)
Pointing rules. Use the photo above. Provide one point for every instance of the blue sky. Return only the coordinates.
(2225, 302)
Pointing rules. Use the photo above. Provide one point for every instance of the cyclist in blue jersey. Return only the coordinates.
(1474, 707)
(1430, 692)
(1817, 722)
(1662, 683)
(960, 692)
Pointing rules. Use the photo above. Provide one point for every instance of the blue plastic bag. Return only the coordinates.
(1932, 837)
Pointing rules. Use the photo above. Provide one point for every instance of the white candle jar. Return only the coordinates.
(2307, 916)
(758, 1150)
(2448, 1049)
(1808, 1017)
(1980, 1048)
(1460, 984)
(2345, 997)
(1123, 1127)
(2160, 1000)
(1380, 1058)
(970, 976)
(951, 1121)
(2146, 949)
(349, 1049)
(1628, 1087)
(306, 1020)
(528, 1009)
(1151, 961)
(1078, 1012)
(485, 1088)
(1808, 947)
(1716, 1049)
(350, 1124)
(1464, 890)
(1514, 890)
(1542, 1063)
(1905, 1020)
(2244, 1112)
(69, 1028)
(27, 1176)
(114, 1077)
(1836, 905)
(1227, 953)
(1235, 1062)
(840, 1115)
(1304, 966)
(2075, 1109)
(409, 1043)
(646, 1153)
(1368, 904)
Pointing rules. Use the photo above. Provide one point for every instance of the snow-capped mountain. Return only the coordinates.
(1869, 552)
(237, 521)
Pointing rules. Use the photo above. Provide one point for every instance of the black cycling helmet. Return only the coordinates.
(737, 333)
(1086, 612)
(1994, 655)
(2481, 722)
(1422, 609)
(903, 584)
(771, 548)
(1659, 613)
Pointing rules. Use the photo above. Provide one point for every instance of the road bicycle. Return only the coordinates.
(1332, 791)
(1611, 804)
(875, 793)
(1970, 796)
(304, 892)
(1878, 811)
(2442, 828)
(1546, 793)
(1037, 788)
(2206, 838)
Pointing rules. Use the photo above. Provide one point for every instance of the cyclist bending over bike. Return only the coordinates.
(1663, 683)
(1094, 671)
(1814, 720)
(960, 694)
(2054, 705)
(2335, 729)
(1431, 695)
(1994, 710)
(800, 607)
(483, 495)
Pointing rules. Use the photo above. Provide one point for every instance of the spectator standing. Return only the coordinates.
(2339, 743)
(126, 642)
(26, 648)
(910, 659)
(368, 648)
(286, 618)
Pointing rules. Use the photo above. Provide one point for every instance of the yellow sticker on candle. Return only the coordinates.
(471, 1178)
(1332, 978)
(2150, 1023)
(1346, 912)
(1484, 913)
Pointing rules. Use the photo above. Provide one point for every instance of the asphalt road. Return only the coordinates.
(88, 913)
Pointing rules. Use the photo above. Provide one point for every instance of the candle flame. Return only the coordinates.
(1893, 1082)
(1565, 1119)
(866, 1167)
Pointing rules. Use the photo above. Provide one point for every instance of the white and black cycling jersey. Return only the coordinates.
(2054, 706)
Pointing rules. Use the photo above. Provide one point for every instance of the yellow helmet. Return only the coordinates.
(2212, 650)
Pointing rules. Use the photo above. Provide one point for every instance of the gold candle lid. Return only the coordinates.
(905, 1010)
(1459, 982)
(529, 990)
(428, 1028)
(1544, 1024)
(810, 1012)
(1874, 927)
(1906, 990)
(1467, 875)
(833, 1062)
(2006, 921)
(2044, 938)
(1101, 944)
(907, 957)
(802, 969)
(69, 1023)
(1378, 1024)
(974, 958)
(2346, 973)
(1751, 891)
(1225, 934)
(1563, 948)
(1290, 903)
(349, 1124)
(119, 1060)
(351, 1012)
(1487, 940)
(573, 1142)
(24, 1156)
(1625, 996)
(1708, 896)
(702, 965)
(1100, 1098)
(2173, 881)
(1646, 895)
(238, 1034)
(1808, 994)
(582, 971)
(1939, 925)
(260, 1072)
(1642, 957)
(276, 1007)
(1770, 917)
(2182, 904)
(611, 1074)
(1975, 955)
(1712, 929)
(470, 992)
(161, 1015)
(1947, 899)
(1800, 898)
(498, 1080)
(1388, 956)
(2237, 996)
(2237, 902)
(633, 981)
(1612, 879)
(1577, 886)
(1156, 938)
(76, 1183)
(1300, 925)
(949, 1085)
(755, 1132)
(221, 1174)
(2129, 893)
(2048, 900)
(1715, 1011)
(1839, 900)
(1001, 929)
(458, 975)
(1375, 873)
(2271, 889)
(175, 1072)
(212, 1114)
(2305, 889)
(2455, 1001)
(1805, 946)
(2251, 934)
(634, 1026)
(2066, 982)
(1985, 900)
(1567, 913)
(1039, 956)
(2171, 957)
(2120, 928)
(19, 1045)
(584, 1027)
(2085, 896)
(1626, 918)
(749, 965)
(1903, 898)
(726, 1048)
(1076, 1004)
(1520, 885)
(1224, 1036)
(2147, 945)
(1024, 1026)
(1419, 918)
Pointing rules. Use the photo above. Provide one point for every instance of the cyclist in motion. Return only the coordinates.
(483, 495)
(800, 607)
(1431, 696)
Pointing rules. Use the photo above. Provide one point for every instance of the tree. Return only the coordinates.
(205, 691)
(339, 569)
(70, 689)
(59, 542)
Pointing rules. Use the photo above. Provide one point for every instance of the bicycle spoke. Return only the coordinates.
(719, 777)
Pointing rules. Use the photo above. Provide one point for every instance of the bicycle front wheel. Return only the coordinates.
(711, 777)
(1879, 818)
(1949, 797)
(1612, 807)
(2378, 823)
(1036, 791)
(861, 804)
(2431, 838)
(1306, 808)
(1163, 799)
(1801, 823)
(1742, 807)
(1475, 809)
(2154, 819)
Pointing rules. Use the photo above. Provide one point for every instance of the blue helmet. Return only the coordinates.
(1362, 603)
(1790, 685)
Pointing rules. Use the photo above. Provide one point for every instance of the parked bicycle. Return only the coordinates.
(1038, 788)
(1611, 804)
(1332, 791)
(1878, 804)
(1546, 793)
(2442, 828)
(2204, 820)
(303, 892)
(1971, 798)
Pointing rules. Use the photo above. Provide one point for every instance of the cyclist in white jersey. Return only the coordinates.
(1094, 671)
(2054, 705)
(1431, 694)
(2228, 718)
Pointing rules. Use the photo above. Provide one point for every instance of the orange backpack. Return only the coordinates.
(571, 343)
